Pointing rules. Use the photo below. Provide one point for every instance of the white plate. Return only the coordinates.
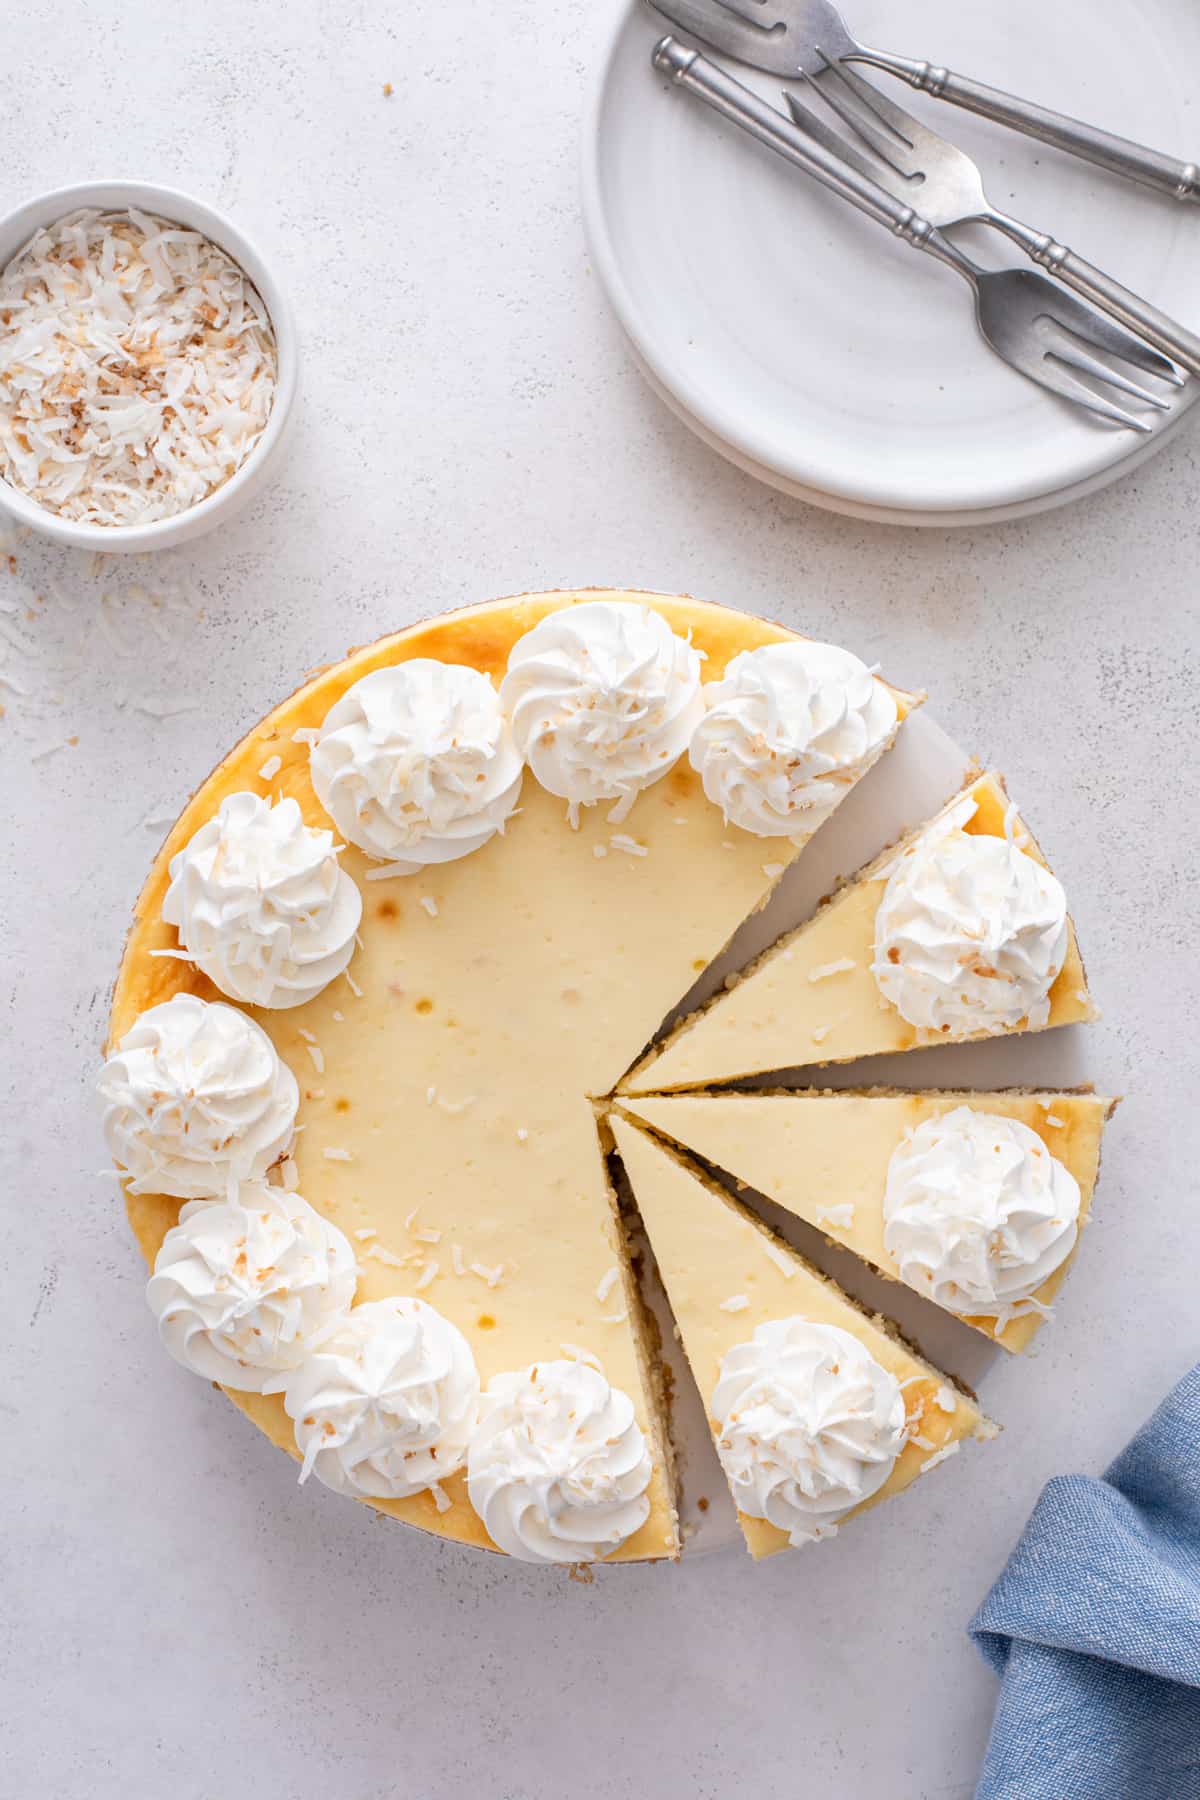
(802, 341)
(921, 772)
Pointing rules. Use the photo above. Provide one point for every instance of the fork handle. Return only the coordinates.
(1141, 317)
(1153, 169)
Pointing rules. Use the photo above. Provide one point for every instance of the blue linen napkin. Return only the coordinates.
(1094, 1628)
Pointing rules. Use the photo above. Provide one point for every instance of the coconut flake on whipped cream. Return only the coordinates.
(557, 1468)
(786, 733)
(978, 1213)
(971, 932)
(196, 1100)
(137, 368)
(385, 1405)
(416, 763)
(808, 1425)
(261, 905)
(603, 698)
(244, 1288)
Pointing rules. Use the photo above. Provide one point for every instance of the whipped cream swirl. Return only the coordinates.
(603, 698)
(416, 764)
(787, 731)
(261, 905)
(558, 1468)
(196, 1100)
(243, 1288)
(384, 1408)
(809, 1425)
(970, 934)
(977, 1212)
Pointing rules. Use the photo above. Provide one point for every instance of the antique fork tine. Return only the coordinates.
(1039, 330)
(951, 193)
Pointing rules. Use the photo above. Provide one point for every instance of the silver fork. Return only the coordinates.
(782, 37)
(916, 163)
(1033, 325)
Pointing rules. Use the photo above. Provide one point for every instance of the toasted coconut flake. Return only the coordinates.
(137, 368)
(607, 1283)
(842, 966)
(780, 1258)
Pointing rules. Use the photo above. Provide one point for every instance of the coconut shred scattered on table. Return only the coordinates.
(137, 368)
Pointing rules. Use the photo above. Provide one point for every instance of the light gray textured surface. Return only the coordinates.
(179, 1618)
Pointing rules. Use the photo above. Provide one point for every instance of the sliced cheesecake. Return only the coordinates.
(827, 1157)
(815, 997)
(444, 1077)
(741, 1298)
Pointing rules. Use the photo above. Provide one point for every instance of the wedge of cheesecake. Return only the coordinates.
(826, 1157)
(814, 997)
(733, 1285)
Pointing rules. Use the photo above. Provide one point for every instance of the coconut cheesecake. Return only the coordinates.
(415, 922)
(818, 1411)
(960, 932)
(974, 1200)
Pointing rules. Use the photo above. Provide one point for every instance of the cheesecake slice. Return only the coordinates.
(921, 947)
(817, 1409)
(834, 1158)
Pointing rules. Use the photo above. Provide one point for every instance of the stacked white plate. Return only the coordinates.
(805, 344)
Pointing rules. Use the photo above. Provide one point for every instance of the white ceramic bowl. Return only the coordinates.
(181, 209)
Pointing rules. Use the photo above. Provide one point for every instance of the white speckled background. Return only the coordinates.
(178, 1617)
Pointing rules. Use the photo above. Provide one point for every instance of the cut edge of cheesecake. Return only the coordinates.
(673, 1117)
(674, 1064)
(647, 1340)
(879, 1335)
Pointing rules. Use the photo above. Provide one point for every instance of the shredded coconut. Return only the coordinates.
(389, 871)
(931, 1462)
(270, 768)
(841, 967)
(620, 840)
(441, 1498)
(576, 1353)
(607, 1283)
(366, 1231)
(842, 1214)
(389, 1257)
(430, 905)
(946, 1399)
(428, 1274)
(137, 368)
(318, 1057)
(735, 1303)
(773, 871)
(350, 981)
(332, 1153)
(780, 1258)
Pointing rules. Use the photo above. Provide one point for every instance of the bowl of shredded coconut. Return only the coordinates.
(147, 366)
